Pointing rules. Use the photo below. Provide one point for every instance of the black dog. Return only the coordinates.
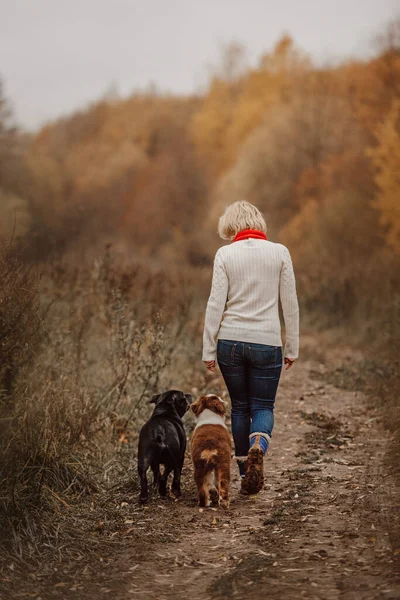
(162, 441)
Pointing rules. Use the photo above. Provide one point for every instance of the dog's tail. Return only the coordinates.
(209, 456)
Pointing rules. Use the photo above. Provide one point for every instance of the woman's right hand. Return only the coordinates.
(289, 362)
(210, 364)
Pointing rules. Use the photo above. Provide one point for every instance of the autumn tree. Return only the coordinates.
(236, 105)
(291, 144)
(386, 160)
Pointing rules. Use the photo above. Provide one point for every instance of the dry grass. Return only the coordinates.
(113, 335)
(20, 317)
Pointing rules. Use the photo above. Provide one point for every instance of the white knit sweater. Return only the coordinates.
(249, 278)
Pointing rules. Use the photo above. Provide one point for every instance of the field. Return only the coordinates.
(325, 525)
(107, 229)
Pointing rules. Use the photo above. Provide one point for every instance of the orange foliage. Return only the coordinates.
(149, 171)
(386, 159)
(233, 109)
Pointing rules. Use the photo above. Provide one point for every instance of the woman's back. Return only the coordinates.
(249, 278)
(253, 268)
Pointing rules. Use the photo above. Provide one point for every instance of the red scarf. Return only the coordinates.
(249, 233)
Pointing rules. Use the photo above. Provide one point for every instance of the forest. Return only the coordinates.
(108, 222)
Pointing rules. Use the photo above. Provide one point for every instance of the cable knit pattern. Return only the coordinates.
(249, 278)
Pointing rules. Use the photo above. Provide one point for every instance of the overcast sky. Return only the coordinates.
(59, 55)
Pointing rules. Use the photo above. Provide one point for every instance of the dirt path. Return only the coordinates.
(318, 530)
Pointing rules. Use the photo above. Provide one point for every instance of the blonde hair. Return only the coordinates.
(238, 216)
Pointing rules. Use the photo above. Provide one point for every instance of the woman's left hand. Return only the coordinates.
(210, 364)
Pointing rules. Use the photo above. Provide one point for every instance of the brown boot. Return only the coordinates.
(253, 481)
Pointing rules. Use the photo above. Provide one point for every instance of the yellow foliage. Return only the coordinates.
(233, 109)
(210, 124)
(370, 87)
(386, 159)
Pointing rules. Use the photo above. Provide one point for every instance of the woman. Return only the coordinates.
(243, 333)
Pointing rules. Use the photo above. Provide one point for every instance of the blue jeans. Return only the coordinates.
(251, 373)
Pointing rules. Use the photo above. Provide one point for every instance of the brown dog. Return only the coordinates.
(211, 451)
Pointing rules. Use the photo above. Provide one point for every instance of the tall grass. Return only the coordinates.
(82, 353)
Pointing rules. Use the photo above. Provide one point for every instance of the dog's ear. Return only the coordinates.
(197, 406)
(154, 399)
(217, 405)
